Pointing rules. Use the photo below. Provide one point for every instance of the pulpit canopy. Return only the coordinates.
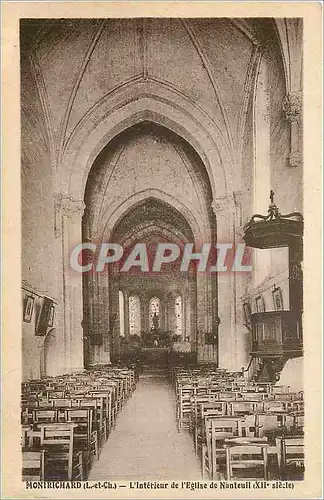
(274, 230)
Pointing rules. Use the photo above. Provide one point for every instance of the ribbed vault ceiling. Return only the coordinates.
(78, 62)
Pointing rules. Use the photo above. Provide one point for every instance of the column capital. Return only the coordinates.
(224, 204)
(68, 206)
(220, 205)
(292, 106)
(238, 198)
(65, 206)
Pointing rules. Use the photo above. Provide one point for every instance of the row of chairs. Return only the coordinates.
(67, 419)
(228, 415)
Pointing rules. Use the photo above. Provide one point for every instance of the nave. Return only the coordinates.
(174, 162)
(145, 443)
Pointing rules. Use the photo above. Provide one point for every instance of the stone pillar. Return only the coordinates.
(103, 308)
(126, 313)
(71, 214)
(292, 106)
(206, 352)
(223, 209)
(185, 314)
(242, 334)
(170, 316)
(145, 320)
(113, 309)
(192, 312)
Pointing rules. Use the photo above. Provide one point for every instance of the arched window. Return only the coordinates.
(134, 315)
(261, 177)
(178, 315)
(155, 307)
(121, 313)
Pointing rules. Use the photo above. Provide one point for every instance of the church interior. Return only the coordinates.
(150, 131)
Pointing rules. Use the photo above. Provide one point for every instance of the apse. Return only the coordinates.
(153, 222)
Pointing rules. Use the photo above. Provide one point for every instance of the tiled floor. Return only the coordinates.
(145, 443)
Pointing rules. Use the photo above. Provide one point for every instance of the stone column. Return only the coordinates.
(145, 320)
(242, 335)
(292, 106)
(185, 314)
(71, 214)
(224, 212)
(113, 335)
(192, 312)
(126, 313)
(103, 308)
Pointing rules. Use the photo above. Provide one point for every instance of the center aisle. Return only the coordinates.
(145, 443)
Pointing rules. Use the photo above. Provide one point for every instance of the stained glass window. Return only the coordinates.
(155, 306)
(134, 315)
(178, 314)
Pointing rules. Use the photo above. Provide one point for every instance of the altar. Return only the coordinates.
(157, 356)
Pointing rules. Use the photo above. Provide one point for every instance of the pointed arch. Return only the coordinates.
(145, 102)
(122, 209)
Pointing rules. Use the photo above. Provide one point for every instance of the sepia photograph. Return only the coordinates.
(162, 198)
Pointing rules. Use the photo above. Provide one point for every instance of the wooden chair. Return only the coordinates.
(252, 396)
(53, 394)
(85, 436)
(280, 389)
(266, 424)
(275, 406)
(60, 402)
(242, 407)
(25, 429)
(111, 406)
(57, 440)
(297, 406)
(299, 421)
(183, 405)
(199, 406)
(207, 411)
(250, 389)
(291, 458)
(228, 396)
(217, 429)
(44, 403)
(248, 426)
(33, 465)
(248, 458)
(78, 469)
(41, 416)
(195, 407)
(282, 396)
(113, 393)
(105, 417)
(83, 419)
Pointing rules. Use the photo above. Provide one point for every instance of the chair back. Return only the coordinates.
(33, 465)
(246, 457)
(290, 452)
(242, 407)
(57, 439)
(41, 416)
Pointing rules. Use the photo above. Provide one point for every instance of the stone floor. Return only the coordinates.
(145, 443)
